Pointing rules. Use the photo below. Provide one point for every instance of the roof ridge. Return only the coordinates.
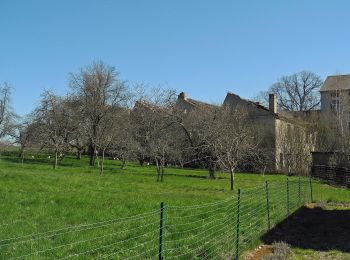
(256, 103)
(341, 75)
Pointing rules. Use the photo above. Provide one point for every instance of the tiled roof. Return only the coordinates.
(339, 82)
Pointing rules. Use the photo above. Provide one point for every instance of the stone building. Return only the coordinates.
(335, 98)
(286, 139)
(335, 115)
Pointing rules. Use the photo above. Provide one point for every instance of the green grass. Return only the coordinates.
(308, 254)
(35, 198)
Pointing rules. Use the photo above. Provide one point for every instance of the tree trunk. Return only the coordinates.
(232, 178)
(158, 169)
(22, 157)
(56, 160)
(182, 164)
(212, 171)
(96, 157)
(102, 162)
(141, 160)
(92, 154)
(162, 176)
(162, 164)
(79, 152)
(92, 146)
(123, 163)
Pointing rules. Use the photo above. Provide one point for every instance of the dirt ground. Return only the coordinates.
(263, 250)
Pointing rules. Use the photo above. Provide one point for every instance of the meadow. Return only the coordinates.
(72, 212)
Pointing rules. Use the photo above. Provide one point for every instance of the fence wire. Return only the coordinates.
(218, 230)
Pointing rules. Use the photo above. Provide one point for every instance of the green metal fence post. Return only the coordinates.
(267, 205)
(161, 228)
(299, 191)
(287, 197)
(311, 195)
(238, 223)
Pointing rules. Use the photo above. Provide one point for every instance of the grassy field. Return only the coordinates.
(36, 199)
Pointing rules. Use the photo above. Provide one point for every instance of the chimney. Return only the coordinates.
(183, 96)
(273, 103)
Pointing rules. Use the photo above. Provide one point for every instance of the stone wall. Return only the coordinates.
(333, 175)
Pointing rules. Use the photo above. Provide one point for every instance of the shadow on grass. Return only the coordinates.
(27, 160)
(314, 228)
(193, 176)
(42, 161)
(116, 168)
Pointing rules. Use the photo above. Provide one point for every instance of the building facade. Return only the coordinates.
(335, 98)
(287, 141)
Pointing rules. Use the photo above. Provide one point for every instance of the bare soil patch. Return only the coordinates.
(258, 253)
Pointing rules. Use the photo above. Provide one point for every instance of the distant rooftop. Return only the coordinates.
(253, 103)
(195, 103)
(338, 82)
(288, 116)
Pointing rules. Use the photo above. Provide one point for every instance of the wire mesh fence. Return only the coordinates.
(218, 230)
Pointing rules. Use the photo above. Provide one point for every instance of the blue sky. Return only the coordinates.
(205, 48)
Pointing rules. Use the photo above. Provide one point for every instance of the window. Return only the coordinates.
(333, 104)
(335, 94)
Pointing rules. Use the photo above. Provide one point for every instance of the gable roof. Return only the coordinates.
(194, 103)
(197, 103)
(240, 101)
(339, 82)
(267, 112)
(249, 102)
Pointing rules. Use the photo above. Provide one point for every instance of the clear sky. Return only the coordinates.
(204, 48)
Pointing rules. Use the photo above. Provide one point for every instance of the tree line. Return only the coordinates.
(102, 115)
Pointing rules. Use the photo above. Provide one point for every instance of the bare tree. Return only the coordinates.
(147, 128)
(235, 141)
(24, 136)
(100, 90)
(7, 116)
(297, 92)
(104, 138)
(124, 145)
(196, 125)
(113, 135)
(340, 111)
(295, 143)
(226, 138)
(152, 123)
(79, 138)
(54, 122)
